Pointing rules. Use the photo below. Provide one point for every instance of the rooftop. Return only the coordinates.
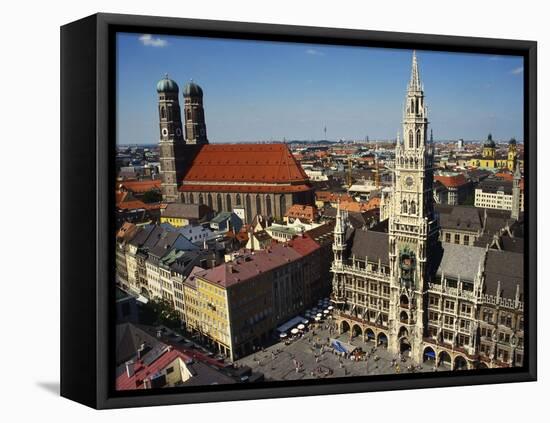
(267, 163)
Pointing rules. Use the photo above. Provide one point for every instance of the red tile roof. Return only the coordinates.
(268, 163)
(249, 265)
(244, 188)
(140, 186)
(138, 204)
(452, 181)
(299, 211)
(142, 372)
(304, 245)
(332, 197)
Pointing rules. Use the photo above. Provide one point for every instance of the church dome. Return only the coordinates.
(166, 85)
(489, 142)
(192, 90)
(512, 141)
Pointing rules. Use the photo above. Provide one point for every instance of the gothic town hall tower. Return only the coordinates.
(413, 229)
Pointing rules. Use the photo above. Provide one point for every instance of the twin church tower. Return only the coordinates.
(172, 141)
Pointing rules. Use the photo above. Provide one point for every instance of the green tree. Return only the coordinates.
(152, 196)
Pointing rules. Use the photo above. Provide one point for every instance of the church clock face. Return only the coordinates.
(409, 181)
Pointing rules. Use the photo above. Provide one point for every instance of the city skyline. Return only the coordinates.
(293, 91)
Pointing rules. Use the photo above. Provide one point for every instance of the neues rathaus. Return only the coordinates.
(459, 306)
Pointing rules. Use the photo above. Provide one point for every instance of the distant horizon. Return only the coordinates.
(480, 141)
(257, 91)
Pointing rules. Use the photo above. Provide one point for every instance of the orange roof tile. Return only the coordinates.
(244, 188)
(451, 181)
(140, 186)
(268, 163)
(299, 211)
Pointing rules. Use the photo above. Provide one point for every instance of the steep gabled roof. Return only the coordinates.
(267, 163)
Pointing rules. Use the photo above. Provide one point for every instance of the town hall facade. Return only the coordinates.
(458, 306)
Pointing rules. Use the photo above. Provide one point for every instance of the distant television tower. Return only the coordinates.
(325, 130)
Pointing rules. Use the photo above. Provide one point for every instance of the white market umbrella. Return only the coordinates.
(325, 311)
(319, 315)
(283, 335)
(301, 326)
(317, 319)
(330, 307)
(294, 331)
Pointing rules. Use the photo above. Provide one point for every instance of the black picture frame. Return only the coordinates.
(87, 205)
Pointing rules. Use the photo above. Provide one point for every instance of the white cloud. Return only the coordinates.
(149, 40)
(314, 52)
(517, 71)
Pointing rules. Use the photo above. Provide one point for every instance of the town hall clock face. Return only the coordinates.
(409, 181)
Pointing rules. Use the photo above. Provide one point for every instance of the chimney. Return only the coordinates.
(130, 370)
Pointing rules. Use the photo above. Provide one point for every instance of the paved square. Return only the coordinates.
(313, 358)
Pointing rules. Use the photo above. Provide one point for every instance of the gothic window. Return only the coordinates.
(258, 204)
(413, 207)
(219, 202)
(201, 200)
(238, 199)
(191, 199)
(418, 138)
(416, 105)
(404, 206)
(248, 209)
(268, 206)
(170, 113)
(210, 202)
(411, 139)
(412, 106)
(228, 202)
(282, 201)
(163, 112)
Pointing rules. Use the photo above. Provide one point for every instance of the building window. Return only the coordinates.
(413, 207)
(449, 305)
(404, 207)
(449, 320)
(238, 200)
(411, 136)
(258, 204)
(268, 211)
(447, 237)
(457, 238)
(418, 138)
(219, 202)
(466, 240)
(228, 202)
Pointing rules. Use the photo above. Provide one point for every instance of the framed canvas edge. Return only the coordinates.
(104, 224)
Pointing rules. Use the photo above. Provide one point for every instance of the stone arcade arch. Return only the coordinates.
(369, 334)
(356, 330)
(403, 332)
(444, 360)
(344, 327)
(382, 339)
(404, 301)
(428, 355)
(404, 317)
(460, 363)
(404, 346)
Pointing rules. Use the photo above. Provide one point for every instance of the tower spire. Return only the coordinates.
(414, 84)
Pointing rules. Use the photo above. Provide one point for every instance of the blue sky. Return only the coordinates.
(261, 91)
